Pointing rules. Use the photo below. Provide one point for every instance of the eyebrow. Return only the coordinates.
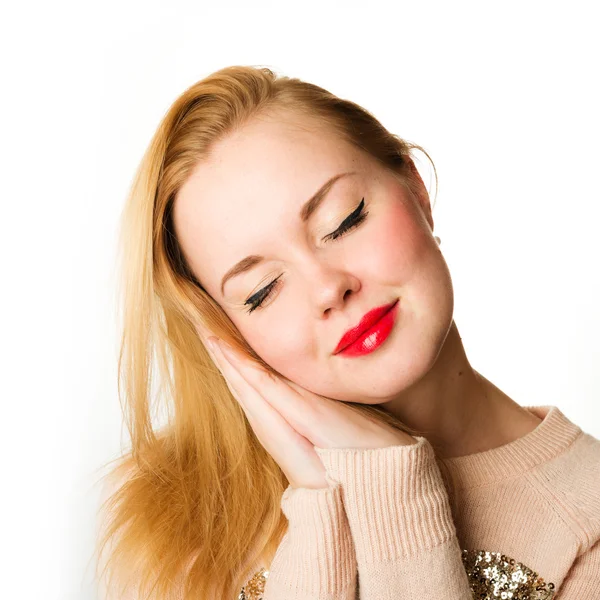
(310, 206)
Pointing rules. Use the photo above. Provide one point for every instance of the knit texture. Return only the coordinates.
(388, 528)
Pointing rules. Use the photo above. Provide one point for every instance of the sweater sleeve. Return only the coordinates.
(401, 522)
(315, 559)
(582, 582)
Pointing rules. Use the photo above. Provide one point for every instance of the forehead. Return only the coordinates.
(269, 156)
(251, 189)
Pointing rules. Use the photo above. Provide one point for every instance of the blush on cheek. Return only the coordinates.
(303, 372)
(398, 241)
(284, 348)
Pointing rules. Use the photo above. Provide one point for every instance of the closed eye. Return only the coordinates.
(355, 218)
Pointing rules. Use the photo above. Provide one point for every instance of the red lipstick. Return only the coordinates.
(370, 333)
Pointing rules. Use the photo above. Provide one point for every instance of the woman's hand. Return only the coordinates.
(289, 420)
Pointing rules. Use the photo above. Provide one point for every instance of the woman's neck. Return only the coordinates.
(458, 410)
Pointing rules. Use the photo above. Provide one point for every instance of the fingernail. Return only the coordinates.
(229, 353)
(213, 341)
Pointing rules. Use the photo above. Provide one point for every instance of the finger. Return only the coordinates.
(202, 329)
(299, 409)
(270, 427)
(228, 372)
(224, 367)
(294, 453)
(319, 405)
(204, 333)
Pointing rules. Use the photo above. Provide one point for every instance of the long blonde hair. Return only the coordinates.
(196, 502)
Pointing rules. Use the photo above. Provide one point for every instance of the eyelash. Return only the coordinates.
(354, 219)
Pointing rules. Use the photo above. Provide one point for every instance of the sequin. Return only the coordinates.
(492, 576)
(255, 586)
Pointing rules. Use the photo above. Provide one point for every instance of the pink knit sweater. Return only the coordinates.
(526, 523)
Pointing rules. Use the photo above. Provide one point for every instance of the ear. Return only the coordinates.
(420, 191)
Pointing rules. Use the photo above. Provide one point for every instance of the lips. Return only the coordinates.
(365, 323)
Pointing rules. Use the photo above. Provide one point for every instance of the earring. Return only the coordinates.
(437, 239)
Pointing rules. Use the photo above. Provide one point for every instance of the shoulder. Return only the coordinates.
(577, 470)
(572, 479)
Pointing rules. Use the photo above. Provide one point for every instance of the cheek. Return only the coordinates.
(286, 345)
(293, 350)
(396, 244)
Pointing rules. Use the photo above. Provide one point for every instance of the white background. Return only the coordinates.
(504, 97)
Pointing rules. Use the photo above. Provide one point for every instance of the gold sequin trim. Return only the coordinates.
(492, 576)
(255, 586)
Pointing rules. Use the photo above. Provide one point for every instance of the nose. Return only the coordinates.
(330, 287)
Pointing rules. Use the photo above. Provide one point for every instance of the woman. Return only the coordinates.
(335, 442)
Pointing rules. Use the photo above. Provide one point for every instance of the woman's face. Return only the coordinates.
(247, 200)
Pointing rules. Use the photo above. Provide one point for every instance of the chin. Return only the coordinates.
(409, 360)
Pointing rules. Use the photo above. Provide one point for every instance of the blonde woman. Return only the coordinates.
(327, 437)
